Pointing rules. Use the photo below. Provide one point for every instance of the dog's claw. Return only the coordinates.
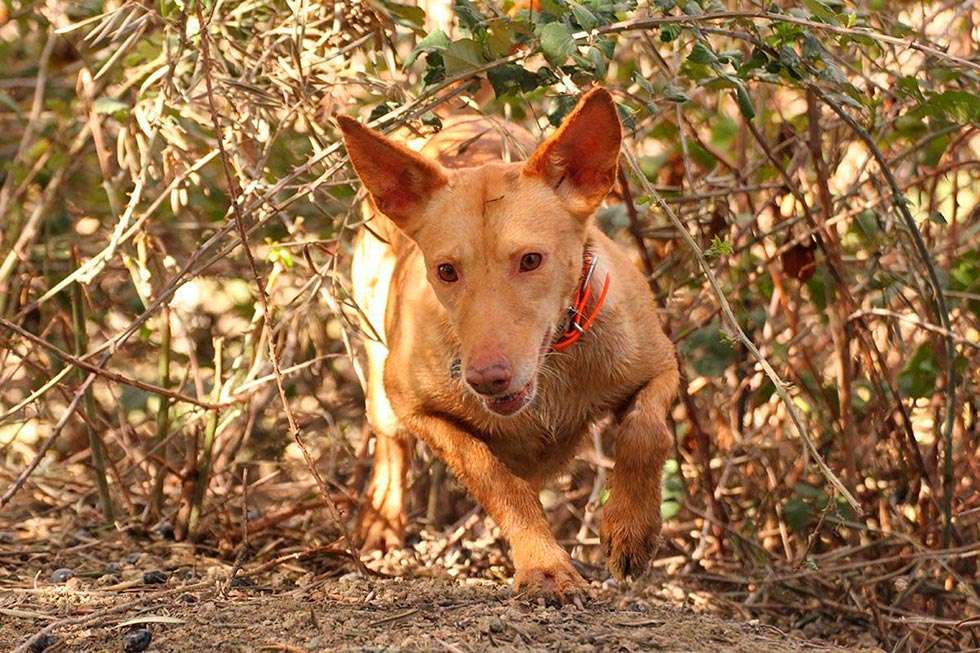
(629, 547)
(376, 533)
(557, 584)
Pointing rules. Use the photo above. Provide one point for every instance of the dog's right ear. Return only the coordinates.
(581, 159)
(400, 181)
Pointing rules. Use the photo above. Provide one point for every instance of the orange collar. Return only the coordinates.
(578, 321)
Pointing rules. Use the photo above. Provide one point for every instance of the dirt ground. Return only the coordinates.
(314, 603)
(405, 615)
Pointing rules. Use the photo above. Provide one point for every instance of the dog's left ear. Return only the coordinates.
(580, 160)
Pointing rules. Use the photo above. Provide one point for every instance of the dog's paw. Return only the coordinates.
(629, 542)
(556, 583)
(376, 532)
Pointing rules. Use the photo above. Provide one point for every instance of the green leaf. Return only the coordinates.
(866, 223)
(643, 82)
(758, 59)
(107, 105)
(598, 61)
(696, 72)
(672, 490)
(669, 33)
(433, 42)
(821, 11)
(166, 7)
(669, 508)
(626, 116)
(744, 102)
(674, 93)
(701, 54)
(408, 15)
(965, 277)
(901, 30)
(604, 496)
(820, 288)
(798, 514)
(463, 55)
(563, 104)
(918, 378)
(959, 106)
(470, 17)
(585, 18)
(719, 247)
(557, 43)
(505, 34)
(801, 509)
(708, 351)
(909, 86)
(380, 110)
(966, 272)
(511, 79)
(608, 46)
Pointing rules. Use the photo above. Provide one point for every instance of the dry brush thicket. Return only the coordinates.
(800, 183)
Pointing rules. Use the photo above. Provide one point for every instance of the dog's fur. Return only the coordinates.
(517, 410)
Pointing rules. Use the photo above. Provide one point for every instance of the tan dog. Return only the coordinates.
(484, 360)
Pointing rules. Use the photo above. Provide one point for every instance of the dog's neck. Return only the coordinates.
(585, 304)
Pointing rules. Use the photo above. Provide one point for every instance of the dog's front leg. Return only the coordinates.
(631, 522)
(542, 566)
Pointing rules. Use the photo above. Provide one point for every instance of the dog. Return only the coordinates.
(506, 324)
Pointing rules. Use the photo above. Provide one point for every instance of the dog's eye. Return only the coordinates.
(530, 262)
(447, 272)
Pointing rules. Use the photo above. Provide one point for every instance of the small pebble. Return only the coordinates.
(113, 568)
(61, 575)
(154, 577)
(137, 640)
(42, 643)
(7, 538)
(133, 558)
(165, 530)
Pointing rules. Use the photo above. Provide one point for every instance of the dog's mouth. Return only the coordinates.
(510, 404)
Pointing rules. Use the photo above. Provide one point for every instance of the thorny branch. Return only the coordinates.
(726, 309)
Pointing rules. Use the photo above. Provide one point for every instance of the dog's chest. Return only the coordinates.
(543, 438)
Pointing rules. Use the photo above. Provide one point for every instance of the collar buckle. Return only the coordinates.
(577, 322)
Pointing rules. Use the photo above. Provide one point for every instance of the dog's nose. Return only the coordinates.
(491, 380)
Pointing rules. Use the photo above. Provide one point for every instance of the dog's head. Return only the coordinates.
(503, 243)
